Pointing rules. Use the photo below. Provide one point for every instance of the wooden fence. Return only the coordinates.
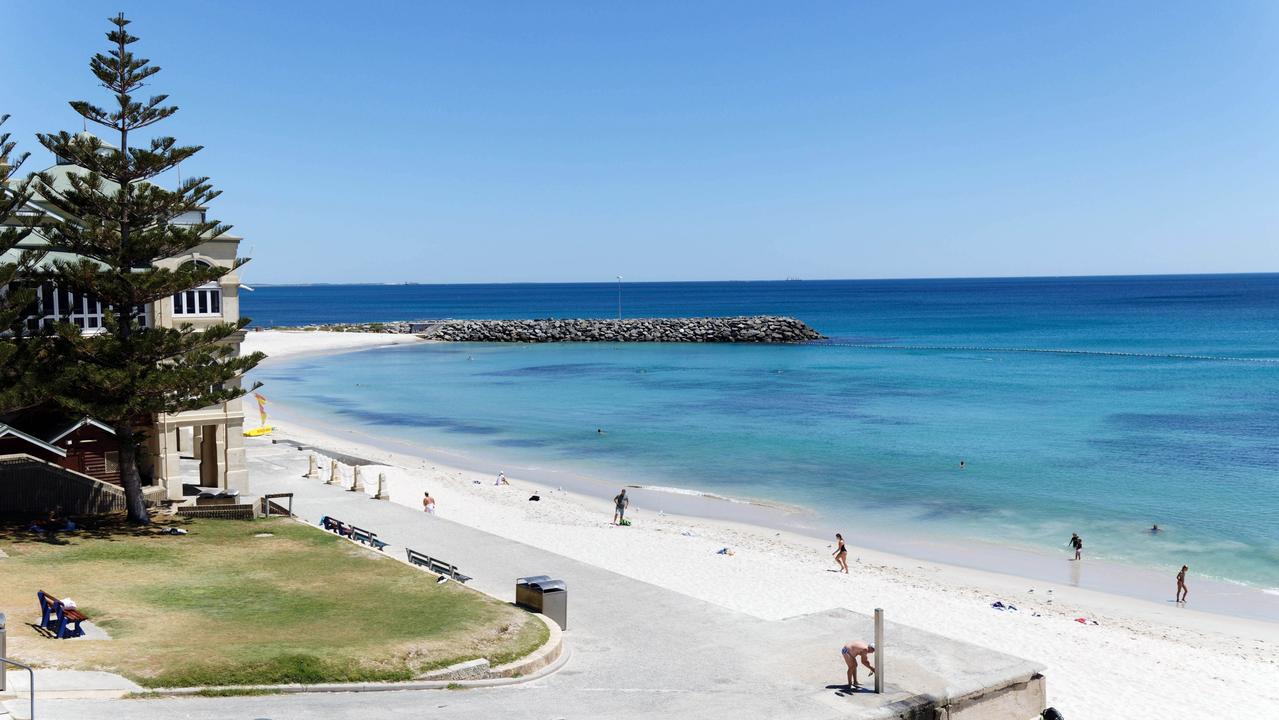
(29, 485)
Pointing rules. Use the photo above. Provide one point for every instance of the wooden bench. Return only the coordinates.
(435, 565)
(55, 617)
(368, 538)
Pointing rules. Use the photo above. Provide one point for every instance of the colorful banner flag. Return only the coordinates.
(261, 407)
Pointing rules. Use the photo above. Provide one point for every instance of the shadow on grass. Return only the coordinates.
(115, 526)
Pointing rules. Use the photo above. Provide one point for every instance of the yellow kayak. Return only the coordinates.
(255, 432)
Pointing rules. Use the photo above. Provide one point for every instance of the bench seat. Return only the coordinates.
(62, 621)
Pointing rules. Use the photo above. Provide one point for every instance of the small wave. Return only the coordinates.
(1270, 591)
(685, 491)
(1052, 351)
(769, 504)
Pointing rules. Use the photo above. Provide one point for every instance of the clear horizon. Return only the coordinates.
(775, 279)
(667, 143)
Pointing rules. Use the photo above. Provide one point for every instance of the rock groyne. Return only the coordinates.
(755, 329)
(752, 329)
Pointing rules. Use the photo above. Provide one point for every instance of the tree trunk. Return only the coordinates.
(130, 476)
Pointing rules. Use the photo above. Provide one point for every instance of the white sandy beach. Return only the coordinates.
(1140, 660)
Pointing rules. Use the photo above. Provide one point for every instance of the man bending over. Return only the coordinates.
(852, 651)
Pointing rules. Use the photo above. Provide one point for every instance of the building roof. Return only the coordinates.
(11, 431)
(47, 429)
(79, 424)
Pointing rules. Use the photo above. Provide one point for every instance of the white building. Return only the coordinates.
(213, 435)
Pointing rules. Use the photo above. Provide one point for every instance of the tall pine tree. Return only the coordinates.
(121, 225)
(15, 355)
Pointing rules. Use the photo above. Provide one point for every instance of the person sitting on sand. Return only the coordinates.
(841, 553)
(620, 503)
(851, 652)
(428, 503)
(1181, 584)
(1077, 543)
(501, 479)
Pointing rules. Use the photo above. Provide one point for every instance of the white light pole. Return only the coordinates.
(619, 297)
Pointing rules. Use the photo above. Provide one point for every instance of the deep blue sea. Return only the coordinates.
(1090, 405)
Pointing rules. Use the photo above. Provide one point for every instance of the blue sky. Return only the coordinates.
(469, 142)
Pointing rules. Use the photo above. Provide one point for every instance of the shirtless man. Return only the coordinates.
(852, 651)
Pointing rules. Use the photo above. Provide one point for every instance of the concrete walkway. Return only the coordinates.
(637, 650)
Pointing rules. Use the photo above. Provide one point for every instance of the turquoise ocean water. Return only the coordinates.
(1090, 405)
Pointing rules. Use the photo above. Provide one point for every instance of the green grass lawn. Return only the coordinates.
(220, 606)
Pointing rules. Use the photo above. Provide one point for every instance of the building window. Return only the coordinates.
(54, 304)
(203, 301)
(111, 460)
(190, 217)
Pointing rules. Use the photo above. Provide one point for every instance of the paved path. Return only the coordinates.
(637, 650)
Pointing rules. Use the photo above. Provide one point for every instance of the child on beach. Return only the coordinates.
(1181, 584)
(841, 553)
(1077, 543)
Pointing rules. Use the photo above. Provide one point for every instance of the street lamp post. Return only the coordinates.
(619, 297)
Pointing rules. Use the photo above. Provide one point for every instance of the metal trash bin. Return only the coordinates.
(544, 594)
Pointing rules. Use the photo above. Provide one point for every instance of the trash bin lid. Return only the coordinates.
(532, 579)
(548, 585)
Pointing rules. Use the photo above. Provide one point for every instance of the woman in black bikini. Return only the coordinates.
(841, 553)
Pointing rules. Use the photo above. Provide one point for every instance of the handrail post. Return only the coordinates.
(879, 651)
(31, 689)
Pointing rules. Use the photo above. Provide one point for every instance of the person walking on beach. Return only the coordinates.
(851, 652)
(1077, 543)
(1181, 584)
(620, 503)
(428, 503)
(841, 553)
